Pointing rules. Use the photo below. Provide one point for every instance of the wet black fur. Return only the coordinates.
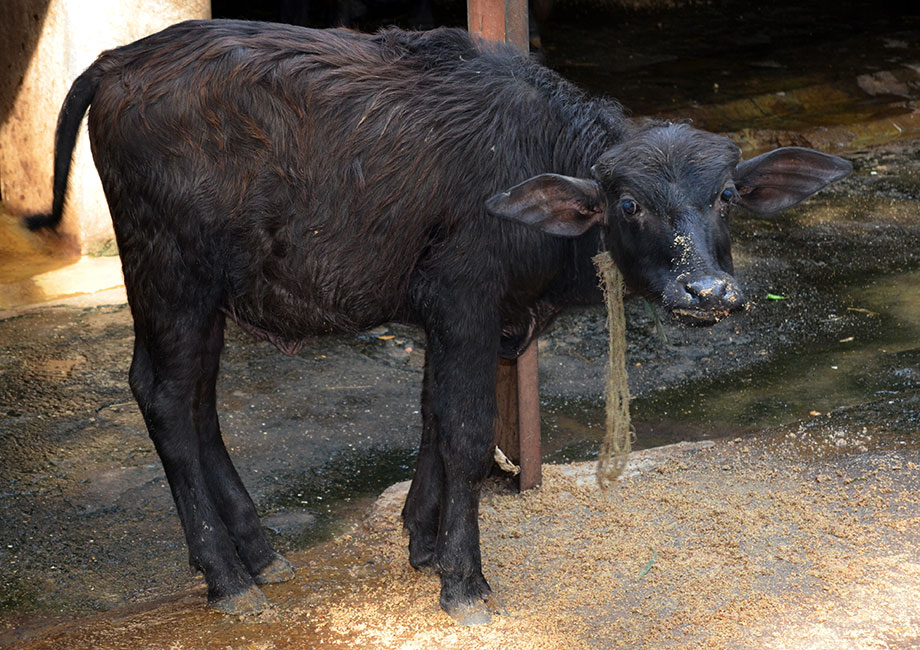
(303, 182)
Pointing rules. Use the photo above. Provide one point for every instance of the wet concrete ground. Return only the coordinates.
(823, 386)
(772, 74)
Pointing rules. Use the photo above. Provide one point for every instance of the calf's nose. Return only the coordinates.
(713, 292)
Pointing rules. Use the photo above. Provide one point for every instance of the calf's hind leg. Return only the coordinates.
(423, 503)
(165, 378)
(233, 502)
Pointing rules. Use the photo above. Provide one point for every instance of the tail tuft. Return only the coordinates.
(77, 101)
(40, 222)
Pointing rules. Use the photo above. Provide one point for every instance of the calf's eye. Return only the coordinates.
(629, 207)
(728, 194)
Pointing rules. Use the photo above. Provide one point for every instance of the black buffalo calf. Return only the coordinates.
(303, 182)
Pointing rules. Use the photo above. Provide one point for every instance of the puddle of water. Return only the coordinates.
(346, 484)
(817, 377)
(882, 359)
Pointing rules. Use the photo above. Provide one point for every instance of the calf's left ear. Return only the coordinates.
(781, 178)
(559, 205)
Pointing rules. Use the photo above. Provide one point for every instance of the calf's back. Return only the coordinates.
(306, 177)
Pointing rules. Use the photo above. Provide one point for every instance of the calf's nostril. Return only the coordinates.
(707, 289)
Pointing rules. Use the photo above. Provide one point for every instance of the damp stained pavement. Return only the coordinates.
(788, 520)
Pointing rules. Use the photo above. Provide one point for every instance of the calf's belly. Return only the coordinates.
(288, 317)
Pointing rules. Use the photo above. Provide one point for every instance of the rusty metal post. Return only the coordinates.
(517, 432)
(518, 429)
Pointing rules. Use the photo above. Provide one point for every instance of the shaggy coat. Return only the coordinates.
(303, 182)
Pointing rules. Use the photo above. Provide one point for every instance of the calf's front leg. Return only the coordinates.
(462, 375)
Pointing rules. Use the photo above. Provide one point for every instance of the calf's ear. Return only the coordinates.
(559, 205)
(781, 178)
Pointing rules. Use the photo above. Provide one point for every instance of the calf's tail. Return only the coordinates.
(65, 138)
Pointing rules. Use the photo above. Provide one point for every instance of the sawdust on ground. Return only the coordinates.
(742, 544)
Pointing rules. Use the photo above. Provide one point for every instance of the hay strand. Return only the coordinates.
(618, 437)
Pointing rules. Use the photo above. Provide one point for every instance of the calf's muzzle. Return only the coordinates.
(704, 299)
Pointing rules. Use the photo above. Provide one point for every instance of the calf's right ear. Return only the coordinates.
(559, 205)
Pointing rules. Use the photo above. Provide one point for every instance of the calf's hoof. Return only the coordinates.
(249, 601)
(471, 613)
(477, 612)
(279, 570)
(470, 602)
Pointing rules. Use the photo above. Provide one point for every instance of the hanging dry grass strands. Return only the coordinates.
(618, 437)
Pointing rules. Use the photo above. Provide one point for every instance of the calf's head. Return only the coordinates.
(663, 197)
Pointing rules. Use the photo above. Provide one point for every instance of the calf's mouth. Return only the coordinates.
(702, 317)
